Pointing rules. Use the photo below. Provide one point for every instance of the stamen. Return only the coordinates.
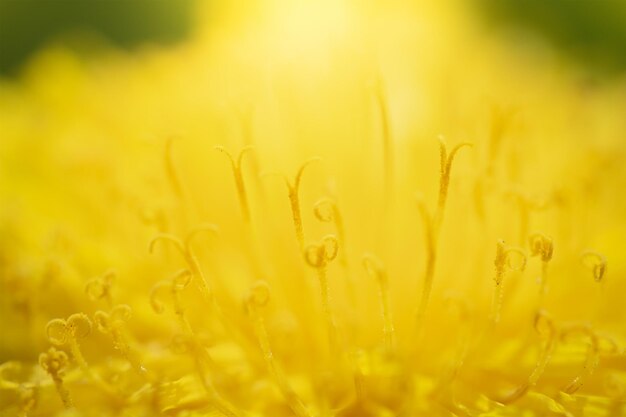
(172, 288)
(503, 261)
(294, 200)
(185, 249)
(432, 225)
(170, 169)
(238, 174)
(445, 161)
(542, 245)
(190, 342)
(99, 288)
(11, 366)
(62, 332)
(388, 156)
(256, 300)
(431, 257)
(326, 210)
(376, 270)
(595, 349)
(113, 324)
(545, 327)
(526, 204)
(54, 362)
(67, 332)
(444, 390)
(597, 263)
(318, 256)
(29, 396)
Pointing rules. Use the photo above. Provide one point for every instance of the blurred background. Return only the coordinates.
(589, 34)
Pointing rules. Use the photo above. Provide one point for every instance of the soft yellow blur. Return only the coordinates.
(100, 155)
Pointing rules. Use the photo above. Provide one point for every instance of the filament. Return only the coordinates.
(544, 326)
(376, 270)
(542, 246)
(445, 161)
(431, 257)
(258, 298)
(388, 156)
(503, 261)
(53, 362)
(318, 256)
(326, 210)
(239, 183)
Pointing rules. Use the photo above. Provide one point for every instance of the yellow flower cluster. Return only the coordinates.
(264, 221)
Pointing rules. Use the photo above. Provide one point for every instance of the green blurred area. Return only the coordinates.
(27, 25)
(592, 32)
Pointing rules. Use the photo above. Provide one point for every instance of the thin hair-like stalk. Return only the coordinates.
(175, 183)
(545, 327)
(376, 270)
(526, 204)
(186, 250)
(172, 288)
(445, 166)
(388, 151)
(595, 348)
(13, 367)
(256, 300)
(193, 346)
(502, 262)
(293, 192)
(27, 391)
(239, 182)
(326, 210)
(444, 391)
(432, 224)
(54, 363)
(188, 342)
(597, 263)
(113, 323)
(318, 256)
(431, 257)
(100, 288)
(170, 168)
(542, 246)
(67, 332)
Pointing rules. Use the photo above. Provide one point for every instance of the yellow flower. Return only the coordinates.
(262, 222)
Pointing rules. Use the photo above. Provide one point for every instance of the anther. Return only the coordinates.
(596, 262)
(542, 246)
(171, 288)
(318, 256)
(54, 363)
(326, 210)
(113, 323)
(100, 288)
(186, 251)
(503, 261)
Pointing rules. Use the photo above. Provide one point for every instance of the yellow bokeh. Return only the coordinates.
(452, 246)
